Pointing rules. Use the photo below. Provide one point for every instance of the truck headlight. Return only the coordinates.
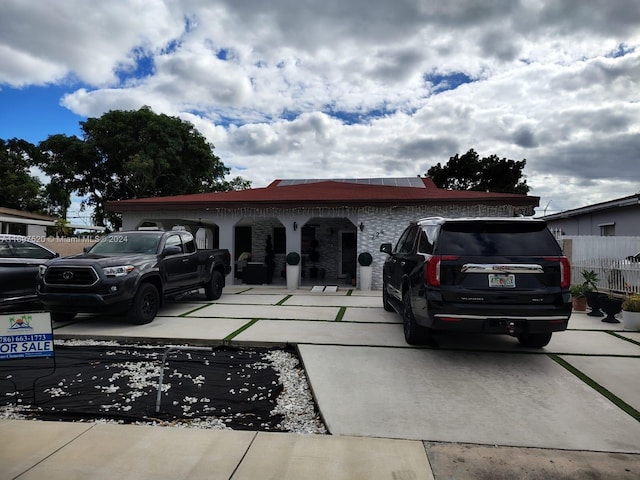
(118, 271)
(42, 270)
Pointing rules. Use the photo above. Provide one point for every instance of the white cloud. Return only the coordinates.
(552, 82)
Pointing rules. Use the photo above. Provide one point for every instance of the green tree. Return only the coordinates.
(20, 189)
(488, 174)
(133, 154)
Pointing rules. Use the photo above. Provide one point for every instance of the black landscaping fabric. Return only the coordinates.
(236, 388)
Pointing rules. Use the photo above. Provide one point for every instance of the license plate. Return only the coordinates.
(502, 280)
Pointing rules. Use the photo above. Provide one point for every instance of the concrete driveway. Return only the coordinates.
(581, 393)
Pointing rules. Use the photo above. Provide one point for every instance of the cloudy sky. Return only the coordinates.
(349, 88)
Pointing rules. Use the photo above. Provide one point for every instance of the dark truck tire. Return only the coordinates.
(213, 289)
(145, 305)
(414, 334)
(385, 300)
(534, 340)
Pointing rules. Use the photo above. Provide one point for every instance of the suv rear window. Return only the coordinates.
(496, 238)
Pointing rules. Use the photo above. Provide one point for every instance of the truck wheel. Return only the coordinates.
(534, 340)
(385, 299)
(62, 316)
(414, 334)
(145, 304)
(213, 289)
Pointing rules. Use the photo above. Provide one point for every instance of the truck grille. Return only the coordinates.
(71, 276)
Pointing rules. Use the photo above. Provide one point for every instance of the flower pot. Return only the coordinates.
(593, 301)
(365, 277)
(579, 304)
(611, 306)
(631, 321)
(293, 276)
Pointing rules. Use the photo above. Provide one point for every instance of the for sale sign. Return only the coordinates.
(24, 335)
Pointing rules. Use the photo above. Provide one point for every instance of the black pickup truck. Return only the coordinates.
(131, 273)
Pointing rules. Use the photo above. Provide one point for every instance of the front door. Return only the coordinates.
(347, 254)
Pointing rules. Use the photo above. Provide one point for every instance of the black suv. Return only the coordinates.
(486, 275)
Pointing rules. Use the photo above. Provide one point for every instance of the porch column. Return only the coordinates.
(293, 225)
(225, 229)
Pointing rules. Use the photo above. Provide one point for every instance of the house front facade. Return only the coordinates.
(328, 222)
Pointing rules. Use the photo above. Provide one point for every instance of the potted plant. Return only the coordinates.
(579, 296)
(365, 260)
(631, 313)
(293, 269)
(611, 306)
(593, 296)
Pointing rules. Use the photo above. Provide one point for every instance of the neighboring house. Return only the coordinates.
(620, 217)
(34, 226)
(19, 222)
(329, 222)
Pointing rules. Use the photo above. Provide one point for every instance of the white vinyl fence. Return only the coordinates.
(608, 257)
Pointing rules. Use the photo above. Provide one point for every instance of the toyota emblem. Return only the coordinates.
(67, 275)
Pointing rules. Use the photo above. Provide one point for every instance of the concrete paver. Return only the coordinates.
(340, 333)
(370, 315)
(107, 451)
(251, 299)
(340, 301)
(27, 443)
(454, 396)
(292, 457)
(162, 328)
(267, 311)
(582, 321)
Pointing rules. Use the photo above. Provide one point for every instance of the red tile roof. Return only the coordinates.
(312, 193)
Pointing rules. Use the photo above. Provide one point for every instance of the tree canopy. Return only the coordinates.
(133, 154)
(21, 189)
(488, 174)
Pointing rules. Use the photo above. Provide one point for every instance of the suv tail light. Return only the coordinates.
(432, 268)
(565, 270)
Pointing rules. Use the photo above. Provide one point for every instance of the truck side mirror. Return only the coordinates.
(386, 248)
(171, 250)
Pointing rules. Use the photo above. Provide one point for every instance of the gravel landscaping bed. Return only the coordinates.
(218, 387)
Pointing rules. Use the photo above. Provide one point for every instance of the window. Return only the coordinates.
(607, 229)
(409, 240)
(30, 250)
(174, 241)
(189, 244)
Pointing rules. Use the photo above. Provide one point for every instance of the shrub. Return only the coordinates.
(365, 259)
(292, 258)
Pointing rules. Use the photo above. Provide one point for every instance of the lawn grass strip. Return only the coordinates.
(281, 302)
(232, 335)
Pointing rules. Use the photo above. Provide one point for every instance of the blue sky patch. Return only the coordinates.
(145, 67)
(442, 83)
(34, 113)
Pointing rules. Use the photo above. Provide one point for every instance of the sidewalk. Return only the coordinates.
(477, 407)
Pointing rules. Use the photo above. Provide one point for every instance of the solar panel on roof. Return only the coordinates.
(414, 182)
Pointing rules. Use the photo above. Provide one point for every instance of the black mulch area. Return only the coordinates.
(213, 388)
